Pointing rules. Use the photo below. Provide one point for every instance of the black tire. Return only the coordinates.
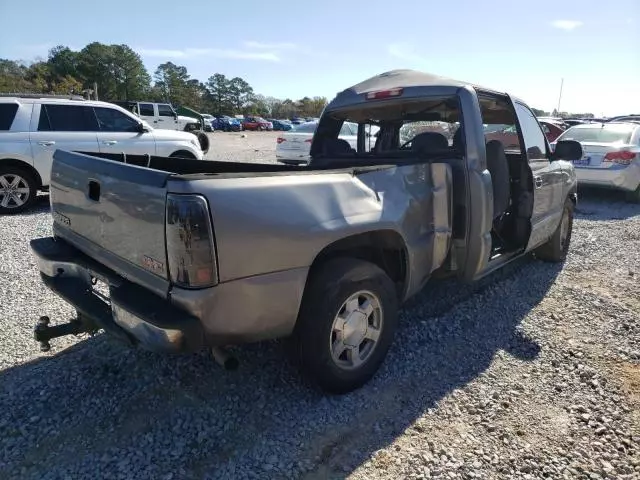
(203, 139)
(325, 296)
(26, 180)
(633, 197)
(557, 247)
(183, 154)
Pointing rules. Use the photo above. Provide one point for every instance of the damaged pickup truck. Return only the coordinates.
(201, 254)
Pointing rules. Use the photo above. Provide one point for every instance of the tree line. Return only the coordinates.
(119, 74)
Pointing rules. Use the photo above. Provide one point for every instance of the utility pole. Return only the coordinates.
(560, 97)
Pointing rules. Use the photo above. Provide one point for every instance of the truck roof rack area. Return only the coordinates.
(42, 95)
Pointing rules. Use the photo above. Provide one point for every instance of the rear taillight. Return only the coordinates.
(622, 157)
(382, 94)
(190, 246)
(309, 140)
(280, 140)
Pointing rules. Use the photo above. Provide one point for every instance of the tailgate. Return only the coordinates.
(113, 212)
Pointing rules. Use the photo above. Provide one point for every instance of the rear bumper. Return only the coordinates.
(135, 315)
(622, 178)
(245, 310)
(292, 157)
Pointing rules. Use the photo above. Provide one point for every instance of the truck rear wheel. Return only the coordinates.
(18, 189)
(556, 249)
(346, 324)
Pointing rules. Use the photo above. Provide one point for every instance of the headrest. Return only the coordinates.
(429, 141)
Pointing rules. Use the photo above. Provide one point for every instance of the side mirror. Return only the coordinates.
(567, 150)
(142, 128)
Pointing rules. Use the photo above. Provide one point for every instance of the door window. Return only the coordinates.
(7, 114)
(534, 139)
(67, 118)
(146, 110)
(112, 120)
(165, 110)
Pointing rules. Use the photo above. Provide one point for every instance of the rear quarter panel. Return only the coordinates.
(277, 223)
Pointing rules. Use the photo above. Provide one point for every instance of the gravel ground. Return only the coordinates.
(256, 147)
(533, 373)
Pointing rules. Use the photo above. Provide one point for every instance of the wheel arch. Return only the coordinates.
(14, 162)
(385, 248)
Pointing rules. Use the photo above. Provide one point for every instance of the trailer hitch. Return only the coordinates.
(43, 332)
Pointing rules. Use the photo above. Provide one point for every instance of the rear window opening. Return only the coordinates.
(424, 128)
(605, 133)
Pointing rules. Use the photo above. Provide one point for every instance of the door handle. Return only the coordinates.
(109, 142)
(538, 181)
(47, 143)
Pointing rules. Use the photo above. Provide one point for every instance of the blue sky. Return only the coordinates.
(302, 47)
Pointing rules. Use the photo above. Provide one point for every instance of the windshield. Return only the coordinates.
(605, 133)
(305, 127)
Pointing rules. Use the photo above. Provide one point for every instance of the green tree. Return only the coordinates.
(13, 77)
(240, 93)
(117, 69)
(172, 82)
(219, 94)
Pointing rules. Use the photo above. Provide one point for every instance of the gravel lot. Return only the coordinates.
(533, 373)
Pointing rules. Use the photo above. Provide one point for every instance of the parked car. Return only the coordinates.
(611, 155)
(505, 134)
(552, 129)
(626, 118)
(294, 146)
(281, 125)
(160, 115)
(227, 124)
(322, 254)
(32, 127)
(256, 123)
(208, 122)
(297, 121)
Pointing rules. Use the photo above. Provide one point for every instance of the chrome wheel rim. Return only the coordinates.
(14, 191)
(356, 329)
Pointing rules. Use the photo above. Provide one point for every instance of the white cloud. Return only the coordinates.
(405, 52)
(567, 25)
(270, 46)
(209, 52)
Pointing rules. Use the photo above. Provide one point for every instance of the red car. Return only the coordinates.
(552, 130)
(256, 123)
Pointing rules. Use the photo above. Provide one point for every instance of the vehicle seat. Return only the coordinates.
(498, 167)
(336, 146)
(427, 142)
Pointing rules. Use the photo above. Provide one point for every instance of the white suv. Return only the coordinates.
(33, 127)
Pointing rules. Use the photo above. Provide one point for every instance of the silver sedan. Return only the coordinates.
(611, 155)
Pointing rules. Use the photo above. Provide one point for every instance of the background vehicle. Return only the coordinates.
(552, 129)
(256, 123)
(505, 134)
(161, 115)
(208, 122)
(293, 147)
(33, 127)
(227, 124)
(611, 155)
(625, 118)
(325, 252)
(281, 125)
